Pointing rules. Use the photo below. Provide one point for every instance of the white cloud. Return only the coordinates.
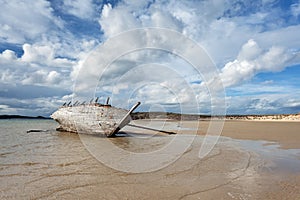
(34, 53)
(106, 10)
(252, 60)
(286, 36)
(44, 55)
(37, 66)
(265, 97)
(8, 55)
(43, 77)
(82, 9)
(204, 22)
(6, 109)
(264, 104)
(241, 46)
(165, 20)
(249, 51)
(23, 20)
(117, 20)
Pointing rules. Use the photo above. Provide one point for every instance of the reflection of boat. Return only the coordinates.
(92, 118)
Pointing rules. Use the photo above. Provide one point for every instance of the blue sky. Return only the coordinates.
(255, 44)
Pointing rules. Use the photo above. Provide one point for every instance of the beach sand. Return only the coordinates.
(286, 134)
(262, 162)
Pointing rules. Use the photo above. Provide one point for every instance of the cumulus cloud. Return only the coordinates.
(44, 55)
(252, 60)
(21, 20)
(117, 20)
(34, 53)
(205, 21)
(8, 55)
(37, 66)
(191, 18)
(42, 77)
(221, 29)
(243, 39)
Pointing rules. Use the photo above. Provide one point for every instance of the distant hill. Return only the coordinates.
(21, 117)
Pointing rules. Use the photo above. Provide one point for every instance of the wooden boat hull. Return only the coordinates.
(92, 119)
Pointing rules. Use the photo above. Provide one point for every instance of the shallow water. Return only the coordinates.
(277, 159)
(58, 165)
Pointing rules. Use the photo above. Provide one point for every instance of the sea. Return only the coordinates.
(26, 158)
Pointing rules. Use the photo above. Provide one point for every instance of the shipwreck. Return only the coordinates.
(92, 117)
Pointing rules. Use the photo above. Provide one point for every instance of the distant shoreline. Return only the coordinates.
(177, 116)
(21, 117)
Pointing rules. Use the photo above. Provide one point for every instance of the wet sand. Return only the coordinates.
(56, 165)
